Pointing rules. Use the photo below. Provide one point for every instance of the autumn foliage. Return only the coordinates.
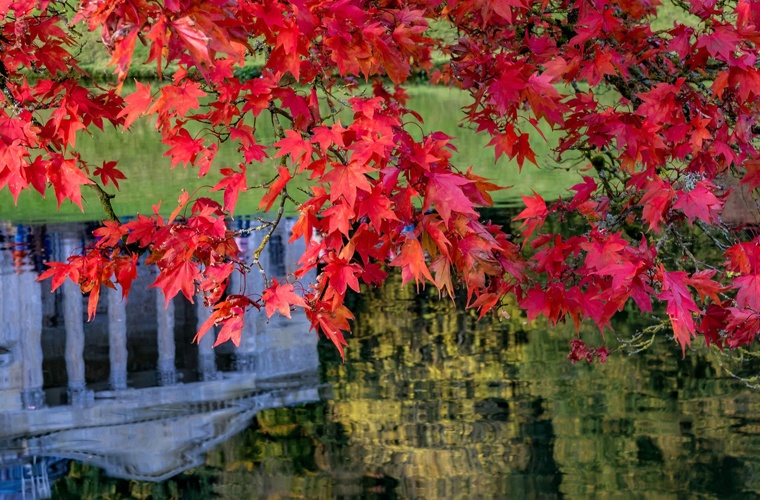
(658, 122)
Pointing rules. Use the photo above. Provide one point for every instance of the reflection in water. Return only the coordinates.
(430, 403)
(31, 479)
(134, 425)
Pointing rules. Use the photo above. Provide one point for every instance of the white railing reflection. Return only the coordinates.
(60, 395)
(119, 323)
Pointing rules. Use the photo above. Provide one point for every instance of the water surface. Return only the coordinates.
(430, 403)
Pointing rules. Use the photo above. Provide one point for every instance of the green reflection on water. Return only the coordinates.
(150, 177)
(431, 403)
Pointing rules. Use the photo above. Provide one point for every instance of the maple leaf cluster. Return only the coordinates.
(661, 121)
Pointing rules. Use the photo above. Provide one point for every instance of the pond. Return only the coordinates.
(429, 403)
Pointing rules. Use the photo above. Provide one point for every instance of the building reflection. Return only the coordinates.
(129, 391)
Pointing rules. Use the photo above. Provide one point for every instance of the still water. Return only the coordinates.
(430, 403)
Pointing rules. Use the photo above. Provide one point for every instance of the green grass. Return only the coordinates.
(150, 177)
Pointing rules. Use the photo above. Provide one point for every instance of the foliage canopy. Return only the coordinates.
(663, 121)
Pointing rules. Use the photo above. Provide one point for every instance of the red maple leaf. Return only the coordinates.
(377, 207)
(332, 323)
(280, 297)
(180, 97)
(110, 234)
(344, 180)
(534, 214)
(229, 313)
(184, 148)
(722, 42)
(109, 173)
(66, 179)
(412, 262)
(178, 278)
(752, 173)
(444, 190)
(748, 294)
(705, 286)
(339, 218)
(233, 184)
(656, 202)
(126, 273)
(343, 275)
(137, 103)
(680, 306)
(699, 203)
(275, 188)
(299, 149)
(59, 271)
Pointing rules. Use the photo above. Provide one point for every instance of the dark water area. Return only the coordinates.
(429, 403)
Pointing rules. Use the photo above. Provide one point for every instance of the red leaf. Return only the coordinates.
(233, 184)
(280, 297)
(184, 148)
(339, 218)
(275, 188)
(722, 42)
(137, 103)
(66, 179)
(332, 323)
(534, 214)
(503, 143)
(412, 262)
(377, 207)
(180, 278)
(680, 306)
(229, 313)
(345, 180)
(752, 173)
(141, 230)
(444, 190)
(109, 173)
(297, 147)
(181, 97)
(110, 234)
(705, 286)
(194, 39)
(343, 275)
(699, 203)
(749, 291)
(59, 271)
(656, 202)
(126, 274)
(181, 204)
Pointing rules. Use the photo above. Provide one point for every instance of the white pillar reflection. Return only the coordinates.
(73, 319)
(248, 284)
(20, 324)
(30, 314)
(167, 373)
(117, 339)
(206, 355)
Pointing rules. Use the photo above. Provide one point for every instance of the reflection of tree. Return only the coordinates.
(275, 457)
(651, 423)
(423, 383)
(429, 396)
(86, 482)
